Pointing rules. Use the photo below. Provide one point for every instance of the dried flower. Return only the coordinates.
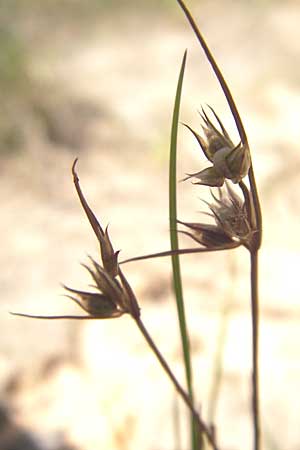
(114, 296)
(229, 161)
(118, 292)
(207, 235)
(95, 304)
(231, 226)
(230, 213)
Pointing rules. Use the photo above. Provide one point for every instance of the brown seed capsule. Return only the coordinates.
(230, 214)
(207, 235)
(232, 226)
(229, 161)
(95, 304)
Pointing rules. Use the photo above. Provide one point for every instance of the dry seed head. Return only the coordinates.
(231, 227)
(95, 304)
(111, 300)
(117, 292)
(232, 163)
(115, 296)
(106, 284)
(229, 161)
(230, 214)
(215, 139)
(208, 235)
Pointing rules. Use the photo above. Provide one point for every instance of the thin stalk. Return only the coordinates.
(235, 113)
(34, 316)
(203, 428)
(218, 73)
(177, 283)
(183, 251)
(255, 349)
(257, 238)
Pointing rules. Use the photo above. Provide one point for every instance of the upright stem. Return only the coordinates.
(255, 333)
(203, 428)
(234, 111)
(256, 240)
(218, 73)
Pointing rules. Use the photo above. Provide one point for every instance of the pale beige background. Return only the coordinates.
(101, 87)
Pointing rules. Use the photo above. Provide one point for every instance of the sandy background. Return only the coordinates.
(99, 84)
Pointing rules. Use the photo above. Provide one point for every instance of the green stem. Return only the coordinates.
(177, 283)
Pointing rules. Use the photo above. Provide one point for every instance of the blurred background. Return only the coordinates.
(96, 80)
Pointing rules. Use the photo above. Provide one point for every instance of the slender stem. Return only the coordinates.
(218, 73)
(235, 114)
(257, 238)
(183, 251)
(33, 316)
(177, 281)
(203, 428)
(255, 335)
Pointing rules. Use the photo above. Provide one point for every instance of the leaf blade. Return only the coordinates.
(177, 282)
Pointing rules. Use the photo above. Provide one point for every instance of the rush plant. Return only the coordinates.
(236, 222)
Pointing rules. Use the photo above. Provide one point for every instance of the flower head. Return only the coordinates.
(231, 227)
(229, 161)
(113, 295)
(95, 304)
(112, 298)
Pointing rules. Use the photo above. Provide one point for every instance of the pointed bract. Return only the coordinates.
(208, 177)
(206, 234)
(108, 255)
(95, 304)
(201, 142)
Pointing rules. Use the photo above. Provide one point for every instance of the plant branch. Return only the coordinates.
(236, 116)
(203, 428)
(255, 243)
(218, 73)
(183, 251)
(86, 317)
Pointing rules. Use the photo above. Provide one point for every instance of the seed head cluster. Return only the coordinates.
(229, 161)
